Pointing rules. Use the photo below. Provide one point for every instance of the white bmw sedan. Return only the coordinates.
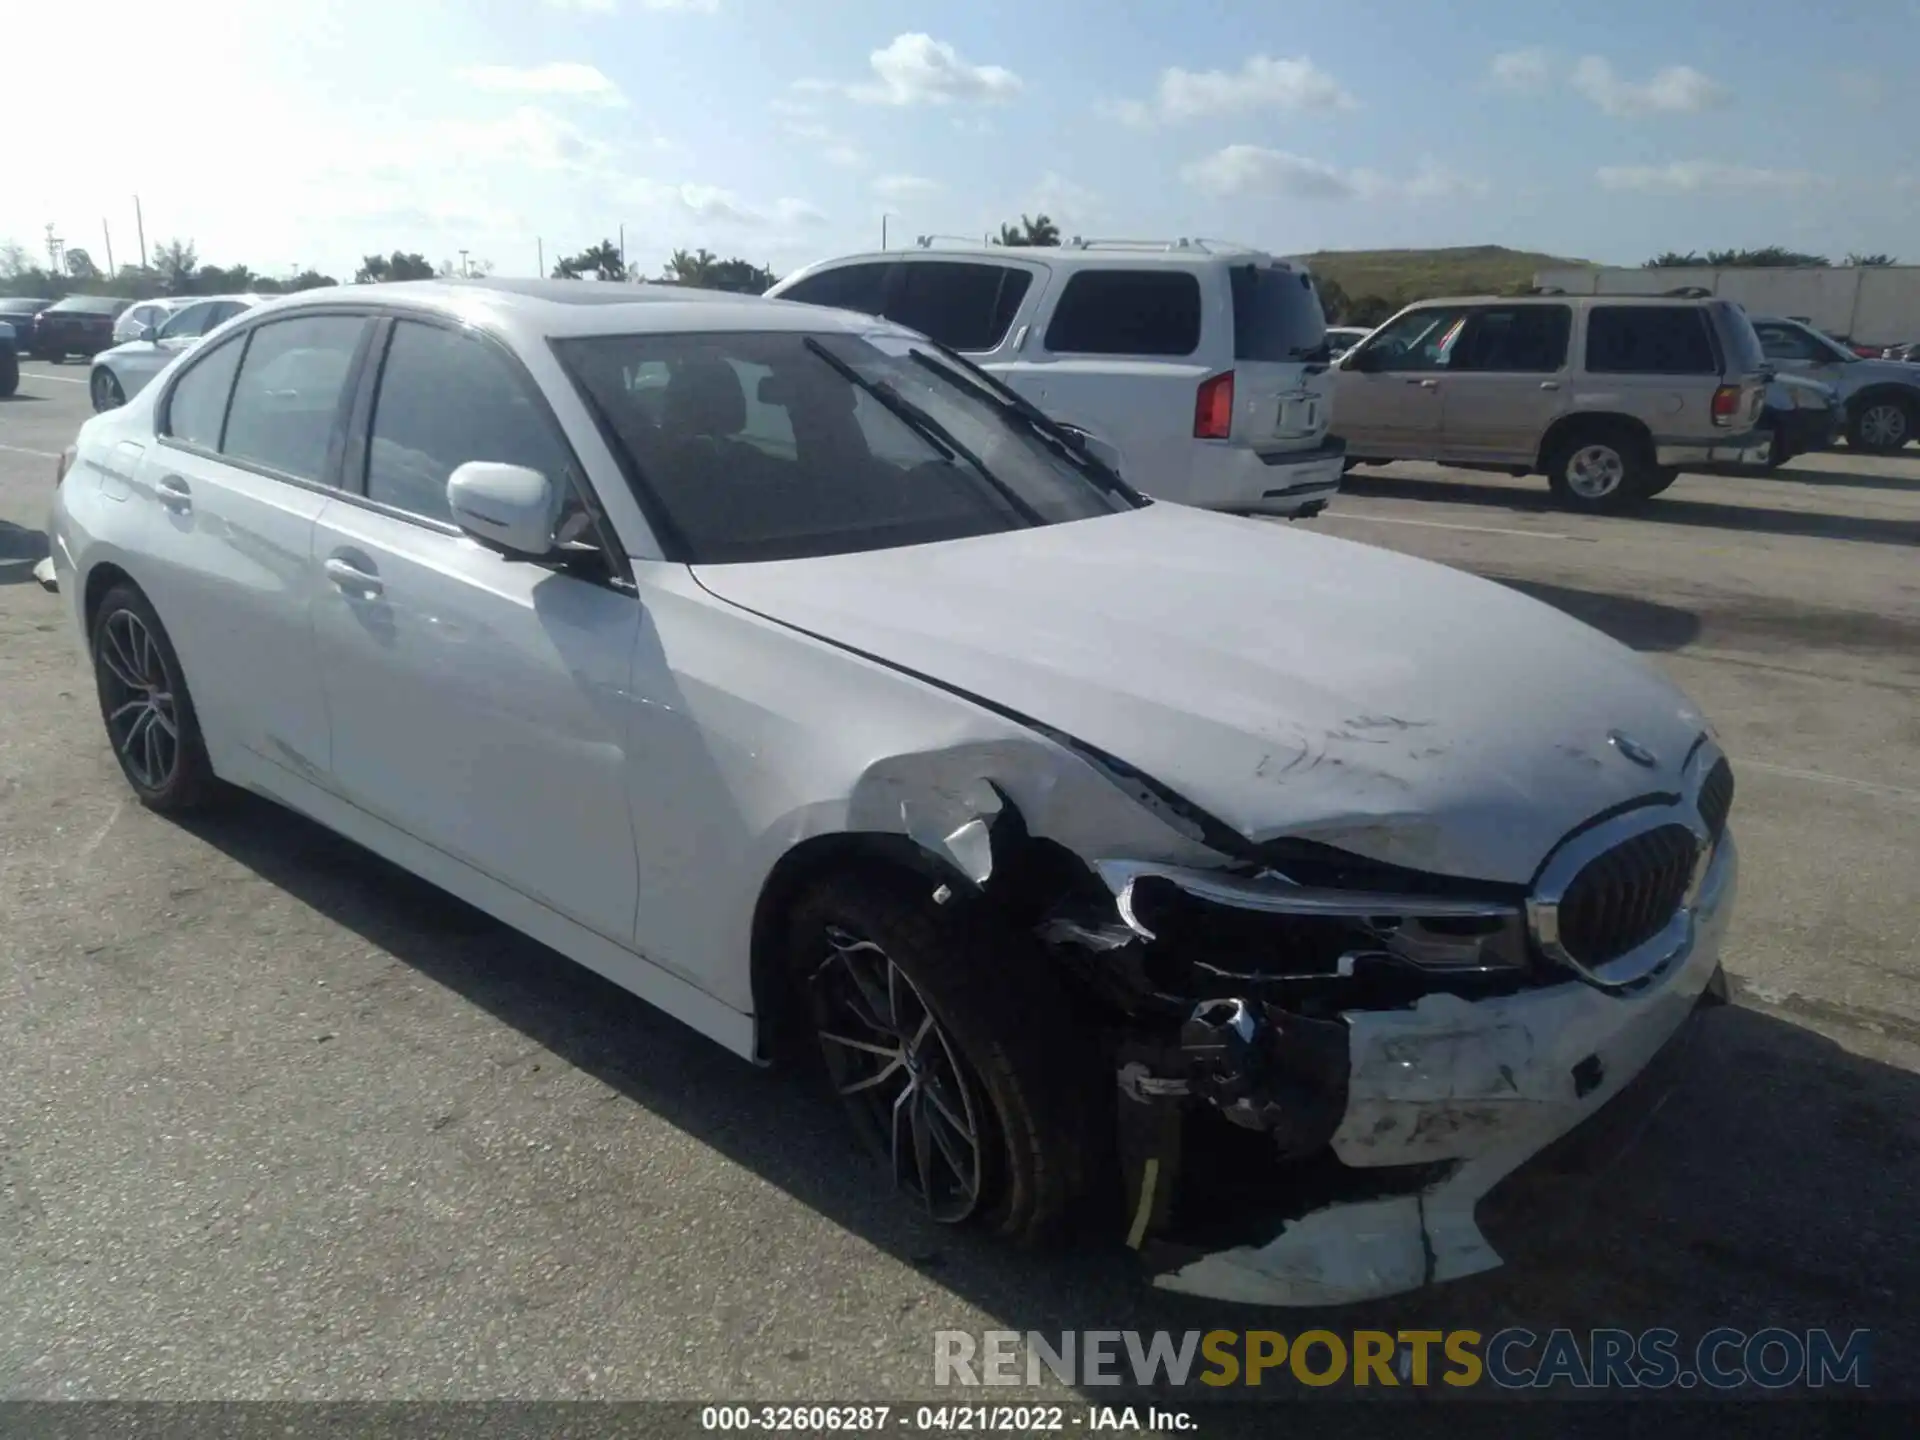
(122, 372)
(800, 678)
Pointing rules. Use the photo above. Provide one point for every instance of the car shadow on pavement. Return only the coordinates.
(1795, 474)
(20, 550)
(1672, 508)
(1774, 1188)
(1639, 624)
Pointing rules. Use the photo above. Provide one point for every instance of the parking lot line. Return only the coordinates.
(57, 379)
(1869, 787)
(1446, 525)
(22, 450)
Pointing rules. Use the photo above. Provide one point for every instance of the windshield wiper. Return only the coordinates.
(925, 426)
(1014, 406)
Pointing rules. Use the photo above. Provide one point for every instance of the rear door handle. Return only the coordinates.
(1426, 384)
(1549, 384)
(175, 494)
(350, 577)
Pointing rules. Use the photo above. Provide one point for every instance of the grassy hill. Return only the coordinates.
(1399, 277)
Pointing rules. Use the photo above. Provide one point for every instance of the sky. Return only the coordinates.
(783, 131)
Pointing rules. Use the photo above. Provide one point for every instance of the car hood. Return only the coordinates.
(1864, 372)
(1285, 682)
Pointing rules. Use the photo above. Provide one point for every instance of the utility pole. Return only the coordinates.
(463, 264)
(623, 252)
(106, 233)
(540, 250)
(141, 226)
(883, 229)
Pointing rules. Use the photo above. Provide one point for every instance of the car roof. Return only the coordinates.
(539, 309)
(1121, 255)
(1564, 300)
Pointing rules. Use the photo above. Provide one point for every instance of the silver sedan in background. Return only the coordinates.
(119, 373)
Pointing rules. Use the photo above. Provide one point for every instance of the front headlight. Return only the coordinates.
(1265, 926)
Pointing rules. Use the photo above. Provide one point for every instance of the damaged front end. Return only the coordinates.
(1352, 1054)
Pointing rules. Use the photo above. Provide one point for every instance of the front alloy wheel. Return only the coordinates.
(910, 1092)
(107, 394)
(1596, 472)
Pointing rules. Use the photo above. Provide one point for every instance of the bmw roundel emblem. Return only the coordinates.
(1632, 749)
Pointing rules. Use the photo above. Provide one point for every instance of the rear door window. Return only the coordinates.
(1649, 340)
(845, 287)
(289, 392)
(1127, 312)
(1519, 339)
(197, 408)
(962, 305)
(1276, 314)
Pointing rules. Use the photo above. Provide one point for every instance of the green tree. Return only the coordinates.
(1036, 231)
(176, 263)
(602, 261)
(1333, 298)
(400, 265)
(80, 265)
(1871, 261)
(1371, 310)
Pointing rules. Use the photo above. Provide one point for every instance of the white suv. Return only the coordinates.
(1202, 367)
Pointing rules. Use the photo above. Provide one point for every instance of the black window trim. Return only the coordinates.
(359, 441)
(337, 433)
(894, 288)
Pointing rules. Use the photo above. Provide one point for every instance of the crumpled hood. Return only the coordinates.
(1286, 682)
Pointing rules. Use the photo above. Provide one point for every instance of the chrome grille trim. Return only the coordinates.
(1701, 810)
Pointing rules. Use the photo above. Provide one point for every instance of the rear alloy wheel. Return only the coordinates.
(149, 716)
(107, 394)
(1881, 427)
(1602, 473)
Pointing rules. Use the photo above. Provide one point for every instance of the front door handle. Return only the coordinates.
(1426, 384)
(350, 577)
(1549, 384)
(175, 494)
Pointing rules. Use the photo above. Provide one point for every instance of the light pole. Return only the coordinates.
(463, 264)
(885, 215)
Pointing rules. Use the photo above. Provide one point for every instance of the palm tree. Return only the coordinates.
(1038, 231)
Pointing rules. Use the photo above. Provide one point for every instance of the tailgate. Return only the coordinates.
(1283, 385)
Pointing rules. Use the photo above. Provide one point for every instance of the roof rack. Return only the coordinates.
(925, 242)
(1205, 246)
(1689, 292)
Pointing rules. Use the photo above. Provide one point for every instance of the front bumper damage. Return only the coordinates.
(1441, 1101)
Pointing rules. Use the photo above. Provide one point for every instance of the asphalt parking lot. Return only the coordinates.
(277, 1121)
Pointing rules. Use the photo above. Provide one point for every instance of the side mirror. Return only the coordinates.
(149, 332)
(509, 507)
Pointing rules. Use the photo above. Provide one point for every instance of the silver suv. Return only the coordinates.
(1608, 396)
(1882, 397)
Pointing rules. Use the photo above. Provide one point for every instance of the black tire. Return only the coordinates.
(1038, 1098)
(1882, 425)
(103, 387)
(1583, 459)
(161, 753)
(1663, 479)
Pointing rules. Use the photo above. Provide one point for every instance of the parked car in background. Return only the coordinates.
(1801, 415)
(1882, 397)
(142, 313)
(9, 360)
(1342, 338)
(1201, 368)
(1608, 396)
(18, 311)
(933, 749)
(121, 373)
(1909, 352)
(76, 325)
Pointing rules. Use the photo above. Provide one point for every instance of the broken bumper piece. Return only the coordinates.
(1479, 1087)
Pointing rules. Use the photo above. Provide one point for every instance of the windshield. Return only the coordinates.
(1276, 315)
(770, 446)
(90, 304)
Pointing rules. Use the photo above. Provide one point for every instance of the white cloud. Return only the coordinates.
(847, 157)
(1691, 177)
(1253, 169)
(1263, 83)
(557, 77)
(916, 69)
(1522, 72)
(904, 187)
(1062, 201)
(526, 136)
(832, 146)
(1676, 90)
(716, 206)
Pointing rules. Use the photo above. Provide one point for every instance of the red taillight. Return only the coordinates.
(1213, 408)
(1726, 404)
